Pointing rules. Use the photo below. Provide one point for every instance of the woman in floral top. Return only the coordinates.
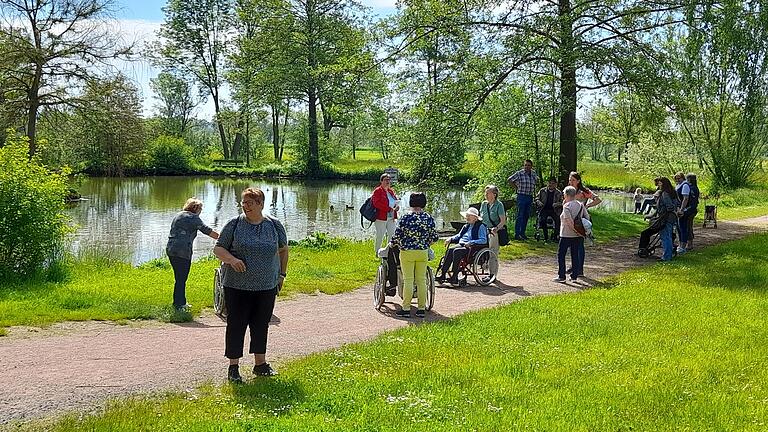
(414, 234)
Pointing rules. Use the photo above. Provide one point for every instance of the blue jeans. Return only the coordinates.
(575, 244)
(524, 203)
(666, 241)
(181, 267)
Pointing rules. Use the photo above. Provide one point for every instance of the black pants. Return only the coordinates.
(247, 309)
(646, 234)
(543, 215)
(453, 257)
(181, 268)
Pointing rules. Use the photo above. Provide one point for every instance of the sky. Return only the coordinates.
(139, 20)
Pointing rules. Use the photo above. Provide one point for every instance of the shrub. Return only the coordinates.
(170, 155)
(33, 225)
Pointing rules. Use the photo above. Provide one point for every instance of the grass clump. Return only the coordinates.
(651, 351)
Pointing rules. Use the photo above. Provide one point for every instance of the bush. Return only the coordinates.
(170, 155)
(33, 225)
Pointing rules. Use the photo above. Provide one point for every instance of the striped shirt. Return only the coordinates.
(525, 182)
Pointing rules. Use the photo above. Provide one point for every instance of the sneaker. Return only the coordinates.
(440, 279)
(681, 250)
(420, 313)
(517, 237)
(233, 374)
(264, 369)
(569, 271)
(403, 313)
(559, 280)
(184, 308)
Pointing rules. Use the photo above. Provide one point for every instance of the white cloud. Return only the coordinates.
(380, 3)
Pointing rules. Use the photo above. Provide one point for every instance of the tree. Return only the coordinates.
(584, 44)
(312, 50)
(194, 42)
(56, 44)
(719, 67)
(108, 127)
(176, 102)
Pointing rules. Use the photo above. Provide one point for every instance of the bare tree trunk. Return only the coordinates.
(276, 130)
(313, 164)
(568, 151)
(222, 133)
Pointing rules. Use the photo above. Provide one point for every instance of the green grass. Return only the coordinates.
(108, 290)
(614, 176)
(650, 350)
(608, 226)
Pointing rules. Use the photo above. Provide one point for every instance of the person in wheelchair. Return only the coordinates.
(414, 234)
(549, 204)
(473, 235)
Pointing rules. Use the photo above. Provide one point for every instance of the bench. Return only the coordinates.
(228, 162)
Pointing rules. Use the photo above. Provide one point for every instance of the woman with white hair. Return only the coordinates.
(184, 229)
(473, 234)
(570, 238)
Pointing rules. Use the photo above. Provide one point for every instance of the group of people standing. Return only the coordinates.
(676, 207)
(253, 247)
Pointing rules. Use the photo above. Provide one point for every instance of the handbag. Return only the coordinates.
(368, 212)
(578, 223)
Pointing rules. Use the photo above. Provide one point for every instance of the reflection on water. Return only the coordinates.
(134, 214)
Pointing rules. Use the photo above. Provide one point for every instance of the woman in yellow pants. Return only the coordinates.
(414, 234)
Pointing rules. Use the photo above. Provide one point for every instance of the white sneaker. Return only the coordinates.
(680, 250)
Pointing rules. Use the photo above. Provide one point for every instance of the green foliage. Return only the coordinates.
(318, 241)
(169, 155)
(33, 225)
(645, 352)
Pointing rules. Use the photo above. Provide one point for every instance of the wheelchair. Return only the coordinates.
(476, 264)
(389, 280)
(538, 232)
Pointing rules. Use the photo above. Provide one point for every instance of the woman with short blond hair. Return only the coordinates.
(184, 229)
(254, 250)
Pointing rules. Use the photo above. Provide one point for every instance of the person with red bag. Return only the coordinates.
(387, 205)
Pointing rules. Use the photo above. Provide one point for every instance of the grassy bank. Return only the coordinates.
(95, 288)
(649, 351)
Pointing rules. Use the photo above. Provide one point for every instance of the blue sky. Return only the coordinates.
(138, 20)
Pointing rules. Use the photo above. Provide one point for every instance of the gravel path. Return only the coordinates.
(71, 366)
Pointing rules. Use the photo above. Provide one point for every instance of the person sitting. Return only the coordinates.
(650, 203)
(550, 204)
(473, 234)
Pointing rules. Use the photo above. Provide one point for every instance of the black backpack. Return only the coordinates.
(693, 197)
(369, 212)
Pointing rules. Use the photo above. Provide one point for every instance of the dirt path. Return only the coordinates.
(80, 365)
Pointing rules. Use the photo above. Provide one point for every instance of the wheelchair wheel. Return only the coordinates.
(379, 285)
(219, 306)
(481, 268)
(430, 288)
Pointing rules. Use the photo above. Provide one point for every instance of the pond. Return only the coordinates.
(131, 217)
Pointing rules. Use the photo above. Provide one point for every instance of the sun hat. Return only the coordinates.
(472, 211)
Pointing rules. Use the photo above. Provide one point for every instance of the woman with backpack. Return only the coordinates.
(693, 208)
(666, 211)
(387, 205)
(571, 236)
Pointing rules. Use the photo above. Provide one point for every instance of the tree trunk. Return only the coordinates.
(222, 134)
(313, 163)
(568, 153)
(248, 141)
(354, 141)
(285, 127)
(34, 105)
(276, 130)
(239, 138)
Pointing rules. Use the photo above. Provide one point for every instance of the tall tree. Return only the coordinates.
(108, 128)
(312, 50)
(56, 44)
(194, 42)
(176, 102)
(589, 44)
